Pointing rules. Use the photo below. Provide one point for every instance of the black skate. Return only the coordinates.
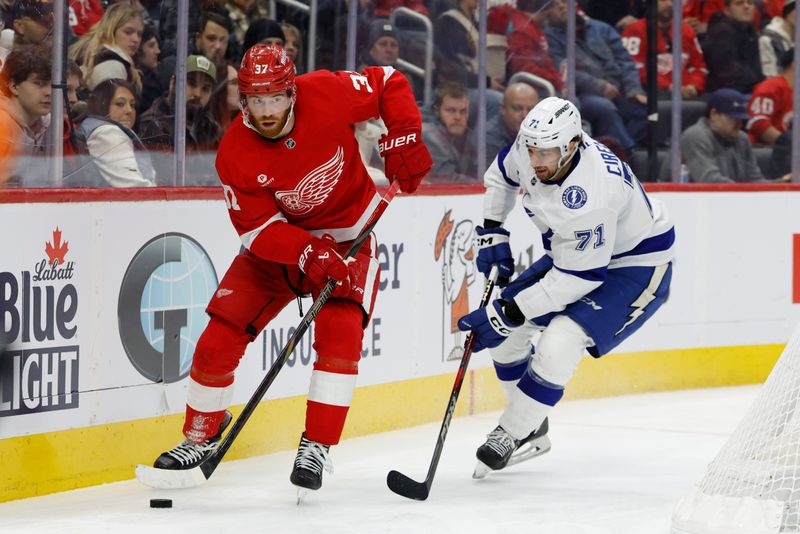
(501, 450)
(189, 454)
(311, 459)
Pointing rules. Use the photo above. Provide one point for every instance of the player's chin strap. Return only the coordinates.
(564, 160)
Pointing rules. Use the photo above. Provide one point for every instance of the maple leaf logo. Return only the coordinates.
(57, 250)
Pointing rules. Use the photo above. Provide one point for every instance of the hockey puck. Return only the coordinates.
(160, 503)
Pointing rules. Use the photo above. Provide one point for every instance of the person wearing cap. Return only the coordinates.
(776, 39)
(32, 21)
(243, 13)
(264, 32)
(157, 124)
(715, 149)
(383, 49)
(771, 104)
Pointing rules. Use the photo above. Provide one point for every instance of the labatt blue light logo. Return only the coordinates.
(38, 309)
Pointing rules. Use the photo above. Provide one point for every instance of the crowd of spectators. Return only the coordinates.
(120, 86)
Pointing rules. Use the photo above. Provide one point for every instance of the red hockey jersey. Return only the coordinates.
(313, 178)
(770, 105)
(694, 66)
(83, 14)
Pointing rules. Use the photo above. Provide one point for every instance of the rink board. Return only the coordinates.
(104, 333)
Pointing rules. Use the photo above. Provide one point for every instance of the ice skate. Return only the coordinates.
(501, 450)
(189, 454)
(311, 459)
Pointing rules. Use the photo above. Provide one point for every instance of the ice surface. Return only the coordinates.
(618, 465)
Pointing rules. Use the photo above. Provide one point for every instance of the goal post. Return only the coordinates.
(753, 485)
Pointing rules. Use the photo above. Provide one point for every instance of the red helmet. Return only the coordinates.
(265, 69)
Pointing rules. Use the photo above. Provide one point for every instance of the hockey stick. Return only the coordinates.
(397, 481)
(186, 478)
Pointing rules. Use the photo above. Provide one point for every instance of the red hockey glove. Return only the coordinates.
(407, 158)
(320, 261)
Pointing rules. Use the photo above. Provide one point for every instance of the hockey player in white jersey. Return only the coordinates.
(607, 268)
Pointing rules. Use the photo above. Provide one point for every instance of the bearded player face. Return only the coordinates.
(269, 112)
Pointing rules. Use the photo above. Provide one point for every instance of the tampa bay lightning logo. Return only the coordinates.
(574, 197)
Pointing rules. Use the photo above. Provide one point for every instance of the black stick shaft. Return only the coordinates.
(462, 371)
(213, 461)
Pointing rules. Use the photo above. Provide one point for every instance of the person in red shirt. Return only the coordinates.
(298, 194)
(527, 42)
(83, 14)
(697, 12)
(694, 66)
(771, 104)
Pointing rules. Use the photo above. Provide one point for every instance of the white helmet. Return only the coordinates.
(554, 122)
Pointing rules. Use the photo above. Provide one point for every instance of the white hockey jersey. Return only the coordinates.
(598, 217)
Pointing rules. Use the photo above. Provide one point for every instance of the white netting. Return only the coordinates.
(753, 485)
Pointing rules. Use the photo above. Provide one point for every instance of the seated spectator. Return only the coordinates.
(617, 13)
(780, 162)
(168, 25)
(606, 79)
(225, 101)
(212, 37)
(146, 60)
(106, 51)
(263, 31)
(83, 14)
(715, 149)
(693, 79)
(32, 21)
(518, 100)
(383, 49)
(771, 104)
(25, 84)
(776, 39)
(9, 143)
(696, 13)
(731, 48)
(293, 45)
(456, 38)
(527, 42)
(116, 151)
(157, 125)
(451, 143)
(243, 13)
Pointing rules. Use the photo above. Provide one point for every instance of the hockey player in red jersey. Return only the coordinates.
(298, 193)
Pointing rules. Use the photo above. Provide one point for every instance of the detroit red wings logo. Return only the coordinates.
(315, 187)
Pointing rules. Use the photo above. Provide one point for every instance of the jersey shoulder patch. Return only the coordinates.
(574, 197)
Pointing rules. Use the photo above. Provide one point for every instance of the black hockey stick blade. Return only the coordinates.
(398, 482)
(406, 487)
(187, 478)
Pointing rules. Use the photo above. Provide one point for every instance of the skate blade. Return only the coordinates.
(481, 470)
(301, 494)
(532, 449)
(169, 478)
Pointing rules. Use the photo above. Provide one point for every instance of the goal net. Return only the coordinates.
(753, 485)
